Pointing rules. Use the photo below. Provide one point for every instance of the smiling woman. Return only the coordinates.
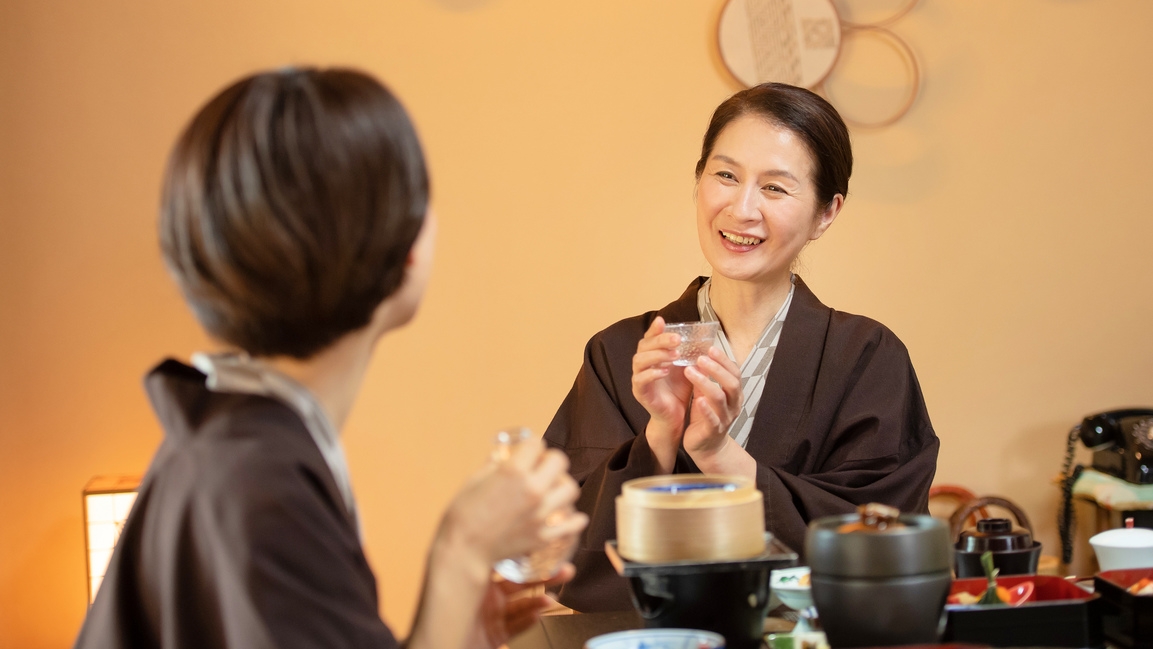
(821, 408)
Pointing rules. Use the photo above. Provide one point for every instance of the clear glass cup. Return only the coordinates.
(546, 562)
(696, 339)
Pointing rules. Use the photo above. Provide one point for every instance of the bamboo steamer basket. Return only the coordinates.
(690, 517)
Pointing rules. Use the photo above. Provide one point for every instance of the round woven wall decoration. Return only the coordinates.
(799, 42)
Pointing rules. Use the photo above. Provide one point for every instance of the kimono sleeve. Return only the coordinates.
(867, 438)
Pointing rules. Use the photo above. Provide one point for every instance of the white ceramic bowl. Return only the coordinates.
(786, 585)
(1124, 548)
(657, 639)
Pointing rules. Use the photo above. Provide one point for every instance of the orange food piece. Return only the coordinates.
(1143, 587)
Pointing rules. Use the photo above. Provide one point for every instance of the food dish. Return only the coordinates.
(657, 639)
(1060, 614)
(1014, 596)
(797, 640)
(791, 586)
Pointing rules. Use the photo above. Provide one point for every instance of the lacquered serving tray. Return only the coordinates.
(1061, 614)
(1126, 619)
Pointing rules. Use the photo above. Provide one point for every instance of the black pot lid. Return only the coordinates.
(924, 545)
(996, 535)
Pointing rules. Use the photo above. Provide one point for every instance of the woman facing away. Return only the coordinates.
(821, 408)
(295, 219)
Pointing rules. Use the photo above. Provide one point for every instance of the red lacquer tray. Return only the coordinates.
(1060, 614)
(1126, 619)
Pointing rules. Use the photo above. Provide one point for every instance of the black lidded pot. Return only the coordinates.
(1014, 550)
(880, 588)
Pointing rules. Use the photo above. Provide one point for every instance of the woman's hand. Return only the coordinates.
(716, 382)
(510, 508)
(509, 608)
(516, 506)
(663, 389)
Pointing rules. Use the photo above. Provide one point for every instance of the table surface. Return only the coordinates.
(572, 631)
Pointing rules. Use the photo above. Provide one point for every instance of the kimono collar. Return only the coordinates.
(756, 365)
(239, 373)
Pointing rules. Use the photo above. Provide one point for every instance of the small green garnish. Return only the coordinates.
(990, 596)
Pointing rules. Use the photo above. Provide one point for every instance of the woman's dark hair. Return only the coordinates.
(802, 112)
(290, 204)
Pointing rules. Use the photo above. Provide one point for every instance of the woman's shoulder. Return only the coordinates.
(239, 467)
(849, 330)
(846, 323)
(865, 332)
(233, 450)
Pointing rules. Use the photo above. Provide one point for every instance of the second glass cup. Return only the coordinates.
(542, 564)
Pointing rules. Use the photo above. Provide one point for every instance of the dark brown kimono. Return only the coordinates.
(238, 538)
(841, 422)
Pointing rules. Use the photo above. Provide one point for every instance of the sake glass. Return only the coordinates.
(696, 339)
(546, 562)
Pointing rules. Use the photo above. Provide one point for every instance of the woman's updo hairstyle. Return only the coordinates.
(803, 112)
(290, 205)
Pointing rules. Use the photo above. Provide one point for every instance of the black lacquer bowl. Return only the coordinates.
(1014, 550)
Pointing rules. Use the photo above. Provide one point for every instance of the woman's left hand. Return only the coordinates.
(716, 383)
(510, 608)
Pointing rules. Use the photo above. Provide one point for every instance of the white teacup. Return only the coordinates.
(1124, 548)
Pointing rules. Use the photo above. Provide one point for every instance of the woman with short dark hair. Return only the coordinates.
(295, 219)
(821, 408)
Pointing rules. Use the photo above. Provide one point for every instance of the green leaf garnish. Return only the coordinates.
(990, 596)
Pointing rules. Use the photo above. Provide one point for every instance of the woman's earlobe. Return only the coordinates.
(835, 206)
(827, 216)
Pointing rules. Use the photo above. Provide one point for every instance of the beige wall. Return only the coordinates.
(1001, 229)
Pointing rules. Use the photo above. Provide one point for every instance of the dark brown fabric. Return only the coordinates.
(238, 538)
(841, 422)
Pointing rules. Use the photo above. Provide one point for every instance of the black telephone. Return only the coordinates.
(1122, 444)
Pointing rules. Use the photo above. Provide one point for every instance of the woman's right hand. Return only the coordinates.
(515, 506)
(663, 390)
(509, 508)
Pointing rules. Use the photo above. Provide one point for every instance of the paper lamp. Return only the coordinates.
(107, 502)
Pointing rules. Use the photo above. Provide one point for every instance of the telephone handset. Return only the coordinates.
(1122, 444)
(1122, 441)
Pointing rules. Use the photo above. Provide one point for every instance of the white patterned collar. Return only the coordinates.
(755, 369)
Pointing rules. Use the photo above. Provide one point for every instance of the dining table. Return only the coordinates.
(572, 630)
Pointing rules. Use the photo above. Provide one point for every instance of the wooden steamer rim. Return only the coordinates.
(691, 517)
